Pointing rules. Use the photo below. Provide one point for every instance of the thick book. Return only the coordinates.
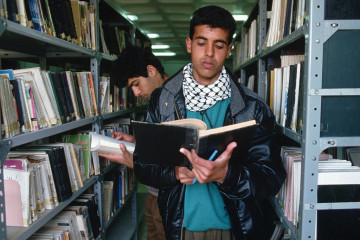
(104, 144)
(160, 143)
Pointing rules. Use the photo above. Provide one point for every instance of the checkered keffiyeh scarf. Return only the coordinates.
(200, 97)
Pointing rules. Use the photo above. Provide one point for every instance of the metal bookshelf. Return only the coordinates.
(319, 27)
(19, 42)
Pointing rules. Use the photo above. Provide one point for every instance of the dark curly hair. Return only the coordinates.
(133, 62)
(213, 16)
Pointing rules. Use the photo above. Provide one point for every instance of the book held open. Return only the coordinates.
(160, 143)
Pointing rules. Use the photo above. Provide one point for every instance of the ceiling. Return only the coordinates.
(170, 18)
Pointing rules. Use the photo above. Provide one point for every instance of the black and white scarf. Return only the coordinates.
(200, 97)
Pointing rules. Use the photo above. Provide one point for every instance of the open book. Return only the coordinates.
(160, 143)
(104, 144)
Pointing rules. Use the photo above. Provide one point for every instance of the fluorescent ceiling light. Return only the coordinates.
(153, 35)
(160, 46)
(164, 54)
(133, 17)
(240, 17)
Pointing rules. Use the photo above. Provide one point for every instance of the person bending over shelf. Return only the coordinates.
(140, 70)
(228, 200)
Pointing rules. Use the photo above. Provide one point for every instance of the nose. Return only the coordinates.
(136, 91)
(209, 50)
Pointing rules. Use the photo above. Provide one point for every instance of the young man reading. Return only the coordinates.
(140, 70)
(228, 200)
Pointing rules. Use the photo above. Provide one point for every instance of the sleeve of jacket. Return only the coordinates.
(148, 174)
(262, 173)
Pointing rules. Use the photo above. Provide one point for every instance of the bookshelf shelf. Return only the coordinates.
(14, 35)
(47, 132)
(323, 38)
(290, 134)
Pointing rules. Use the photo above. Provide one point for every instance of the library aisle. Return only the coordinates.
(117, 229)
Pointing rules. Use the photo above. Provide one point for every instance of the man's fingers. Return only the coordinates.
(230, 148)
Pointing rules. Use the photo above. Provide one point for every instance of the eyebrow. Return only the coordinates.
(218, 40)
(132, 82)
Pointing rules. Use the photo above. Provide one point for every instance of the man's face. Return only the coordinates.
(209, 49)
(142, 86)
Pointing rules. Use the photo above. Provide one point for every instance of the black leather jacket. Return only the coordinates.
(246, 188)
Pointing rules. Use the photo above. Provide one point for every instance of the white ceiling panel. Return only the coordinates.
(171, 18)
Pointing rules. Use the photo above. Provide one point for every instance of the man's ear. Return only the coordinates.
(151, 70)
(228, 51)
(188, 44)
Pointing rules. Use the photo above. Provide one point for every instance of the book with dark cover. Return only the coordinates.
(28, 14)
(61, 14)
(56, 15)
(70, 107)
(293, 15)
(287, 18)
(69, 18)
(58, 168)
(78, 95)
(59, 96)
(290, 95)
(160, 143)
(17, 95)
(12, 10)
(89, 200)
(299, 121)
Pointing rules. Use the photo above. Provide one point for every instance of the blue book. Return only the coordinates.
(36, 16)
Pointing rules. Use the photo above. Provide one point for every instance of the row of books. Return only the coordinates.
(286, 91)
(286, 17)
(80, 220)
(116, 186)
(43, 99)
(338, 181)
(248, 45)
(71, 20)
(38, 178)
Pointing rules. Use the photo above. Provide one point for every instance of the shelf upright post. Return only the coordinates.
(42, 63)
(99, 197)
(242, 56)
(95, 72)
(5, 146)
(134, 211)
(261, 39)
(313, 27)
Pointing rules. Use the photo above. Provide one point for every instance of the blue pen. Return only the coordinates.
(210, 159)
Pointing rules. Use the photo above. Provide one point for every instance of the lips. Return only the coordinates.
(207, 64)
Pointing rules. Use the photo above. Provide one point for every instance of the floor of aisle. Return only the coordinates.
(141, 196)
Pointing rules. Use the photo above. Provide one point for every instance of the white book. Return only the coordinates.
(51, 93)
(284, 95)
(44, 157)
(40, 205)
(42, 96)
(104, 144)
(277, 93)
(296, 102)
